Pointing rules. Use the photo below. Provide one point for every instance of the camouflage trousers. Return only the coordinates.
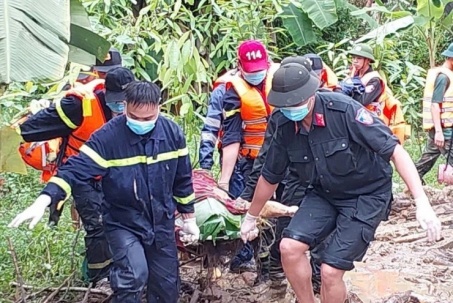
(431, 153)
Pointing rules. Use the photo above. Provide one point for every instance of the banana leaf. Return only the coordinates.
(215, 221)
(36, 38)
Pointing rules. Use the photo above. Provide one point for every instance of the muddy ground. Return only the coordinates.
(400, 266)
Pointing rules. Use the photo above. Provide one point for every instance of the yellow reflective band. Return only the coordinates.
(132, 160)
(18, 131)
(86, 107)
(232, 112)
(94, 156)
(99, 265)
(183, 152)
(63, 116)
(62, 183)
(163, 157)
(127, 161)
(185, 200)
(65, 186)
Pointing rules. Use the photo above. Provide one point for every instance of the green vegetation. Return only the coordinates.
(184, 45)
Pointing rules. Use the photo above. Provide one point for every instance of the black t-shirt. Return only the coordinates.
(345, 154)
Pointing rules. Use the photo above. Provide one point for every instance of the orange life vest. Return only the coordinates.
(388, 108)
(93, 115)
(329, 79)
(254, 111)
(226, 77)
(42, 155)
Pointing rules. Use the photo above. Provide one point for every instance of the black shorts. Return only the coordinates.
(351, 222)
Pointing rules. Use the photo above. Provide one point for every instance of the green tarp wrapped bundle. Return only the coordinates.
(215, 221)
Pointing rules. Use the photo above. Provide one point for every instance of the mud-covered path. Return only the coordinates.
(400, 265)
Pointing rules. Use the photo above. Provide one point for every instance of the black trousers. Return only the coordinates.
(88, 201)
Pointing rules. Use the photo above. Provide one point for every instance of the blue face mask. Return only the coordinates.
(295, 113)
(116, 107)
(255, 78)
(140, 127)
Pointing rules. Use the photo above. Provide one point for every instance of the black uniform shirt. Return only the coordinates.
(345, 154)
(372, 93)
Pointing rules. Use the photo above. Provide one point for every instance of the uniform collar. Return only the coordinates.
(318, 113)
(156, 134)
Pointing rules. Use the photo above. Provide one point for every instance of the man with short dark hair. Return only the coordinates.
(143, 161)
(73, 118)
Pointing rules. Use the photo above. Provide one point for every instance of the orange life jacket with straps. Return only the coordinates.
(254, 110)
(93, 115)
(388, 108)
(43, 155)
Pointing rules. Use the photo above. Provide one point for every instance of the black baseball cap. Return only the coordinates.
(292, 84)
(112, 60)
(303, 60)
(316, 63)
(116, 81)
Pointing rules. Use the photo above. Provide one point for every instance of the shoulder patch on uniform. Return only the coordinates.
(369, 88)
(364, 116)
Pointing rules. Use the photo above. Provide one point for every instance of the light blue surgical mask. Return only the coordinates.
(116, 107)
(255, 78)
(295, 113)
(140, 127)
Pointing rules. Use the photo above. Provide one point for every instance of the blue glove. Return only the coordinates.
(359, 88)
(347, 88)
(352, 86)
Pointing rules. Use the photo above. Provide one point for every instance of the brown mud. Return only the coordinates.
(399, 267)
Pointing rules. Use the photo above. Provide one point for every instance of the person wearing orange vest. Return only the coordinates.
(367, 86)
(362, 72)
(437, 113)
(82, 111)
(246, 110)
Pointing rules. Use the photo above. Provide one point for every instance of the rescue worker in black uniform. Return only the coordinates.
(343, 152)
(52, 122)
(290, 192)
(143, 160)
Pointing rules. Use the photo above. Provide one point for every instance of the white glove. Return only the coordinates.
(249, 231)
(37, 105)
(428, 219)
(33, 212)
(190, 233)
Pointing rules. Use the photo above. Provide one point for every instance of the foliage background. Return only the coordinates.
(185, 45)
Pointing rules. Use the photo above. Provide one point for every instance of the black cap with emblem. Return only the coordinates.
(292, 84)
(116, 81)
